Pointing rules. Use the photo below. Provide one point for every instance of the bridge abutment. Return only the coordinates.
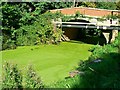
(110, 35)
(107, 36)
(114, 35)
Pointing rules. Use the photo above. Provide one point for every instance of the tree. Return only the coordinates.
(106, 5)
(118, 5)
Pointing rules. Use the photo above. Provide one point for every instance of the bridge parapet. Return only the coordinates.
(87, 11)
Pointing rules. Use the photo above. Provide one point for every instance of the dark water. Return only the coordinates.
(80, 35)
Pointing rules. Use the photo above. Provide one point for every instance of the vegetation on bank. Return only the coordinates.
(101, 70)
(51, 62)
(13, 78)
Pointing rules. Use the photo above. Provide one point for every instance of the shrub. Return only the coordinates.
(94, 47)
(119, 42)
(111, 16)
(40, 32)
(26, 35)
(12, 77)
(116, 42)
(7, 42)
(99, 51)
(32, 80)
(78, 14)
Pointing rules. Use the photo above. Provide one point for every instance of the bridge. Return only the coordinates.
(87, 11)
(108, 27)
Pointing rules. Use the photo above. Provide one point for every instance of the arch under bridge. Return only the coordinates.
(108, 27)
(74, 27)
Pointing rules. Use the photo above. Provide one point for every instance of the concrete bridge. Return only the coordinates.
(109, 27)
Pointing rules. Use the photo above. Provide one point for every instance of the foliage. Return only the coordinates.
(118, 5)
(98, 52)
(9, 24)
(78, 14)
(67, 18)
(32, 80)
(26, 36)
(70, 17)
(66, 83)
(116, 43)
(104, 74)
(101, 5)
(19, 20)
(7, 42)
(40, 7)
(12, 77)
(39, 32)
(106, 5)
(53, 16)
(9, 13)
(111, 16)
(89, 4)
(94, 47)
(57, 5)
(101, 19)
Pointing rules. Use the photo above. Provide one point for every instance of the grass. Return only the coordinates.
(51, 62)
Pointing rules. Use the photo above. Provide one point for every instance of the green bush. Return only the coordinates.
(40, 32)
(12, 77)
(94, 47)
(26, 35)
(7, 42)
(32, 80)
(119, 42)
(98, 51)
(20, 27)
(115, 43)
(78, 14)
(111, 16)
